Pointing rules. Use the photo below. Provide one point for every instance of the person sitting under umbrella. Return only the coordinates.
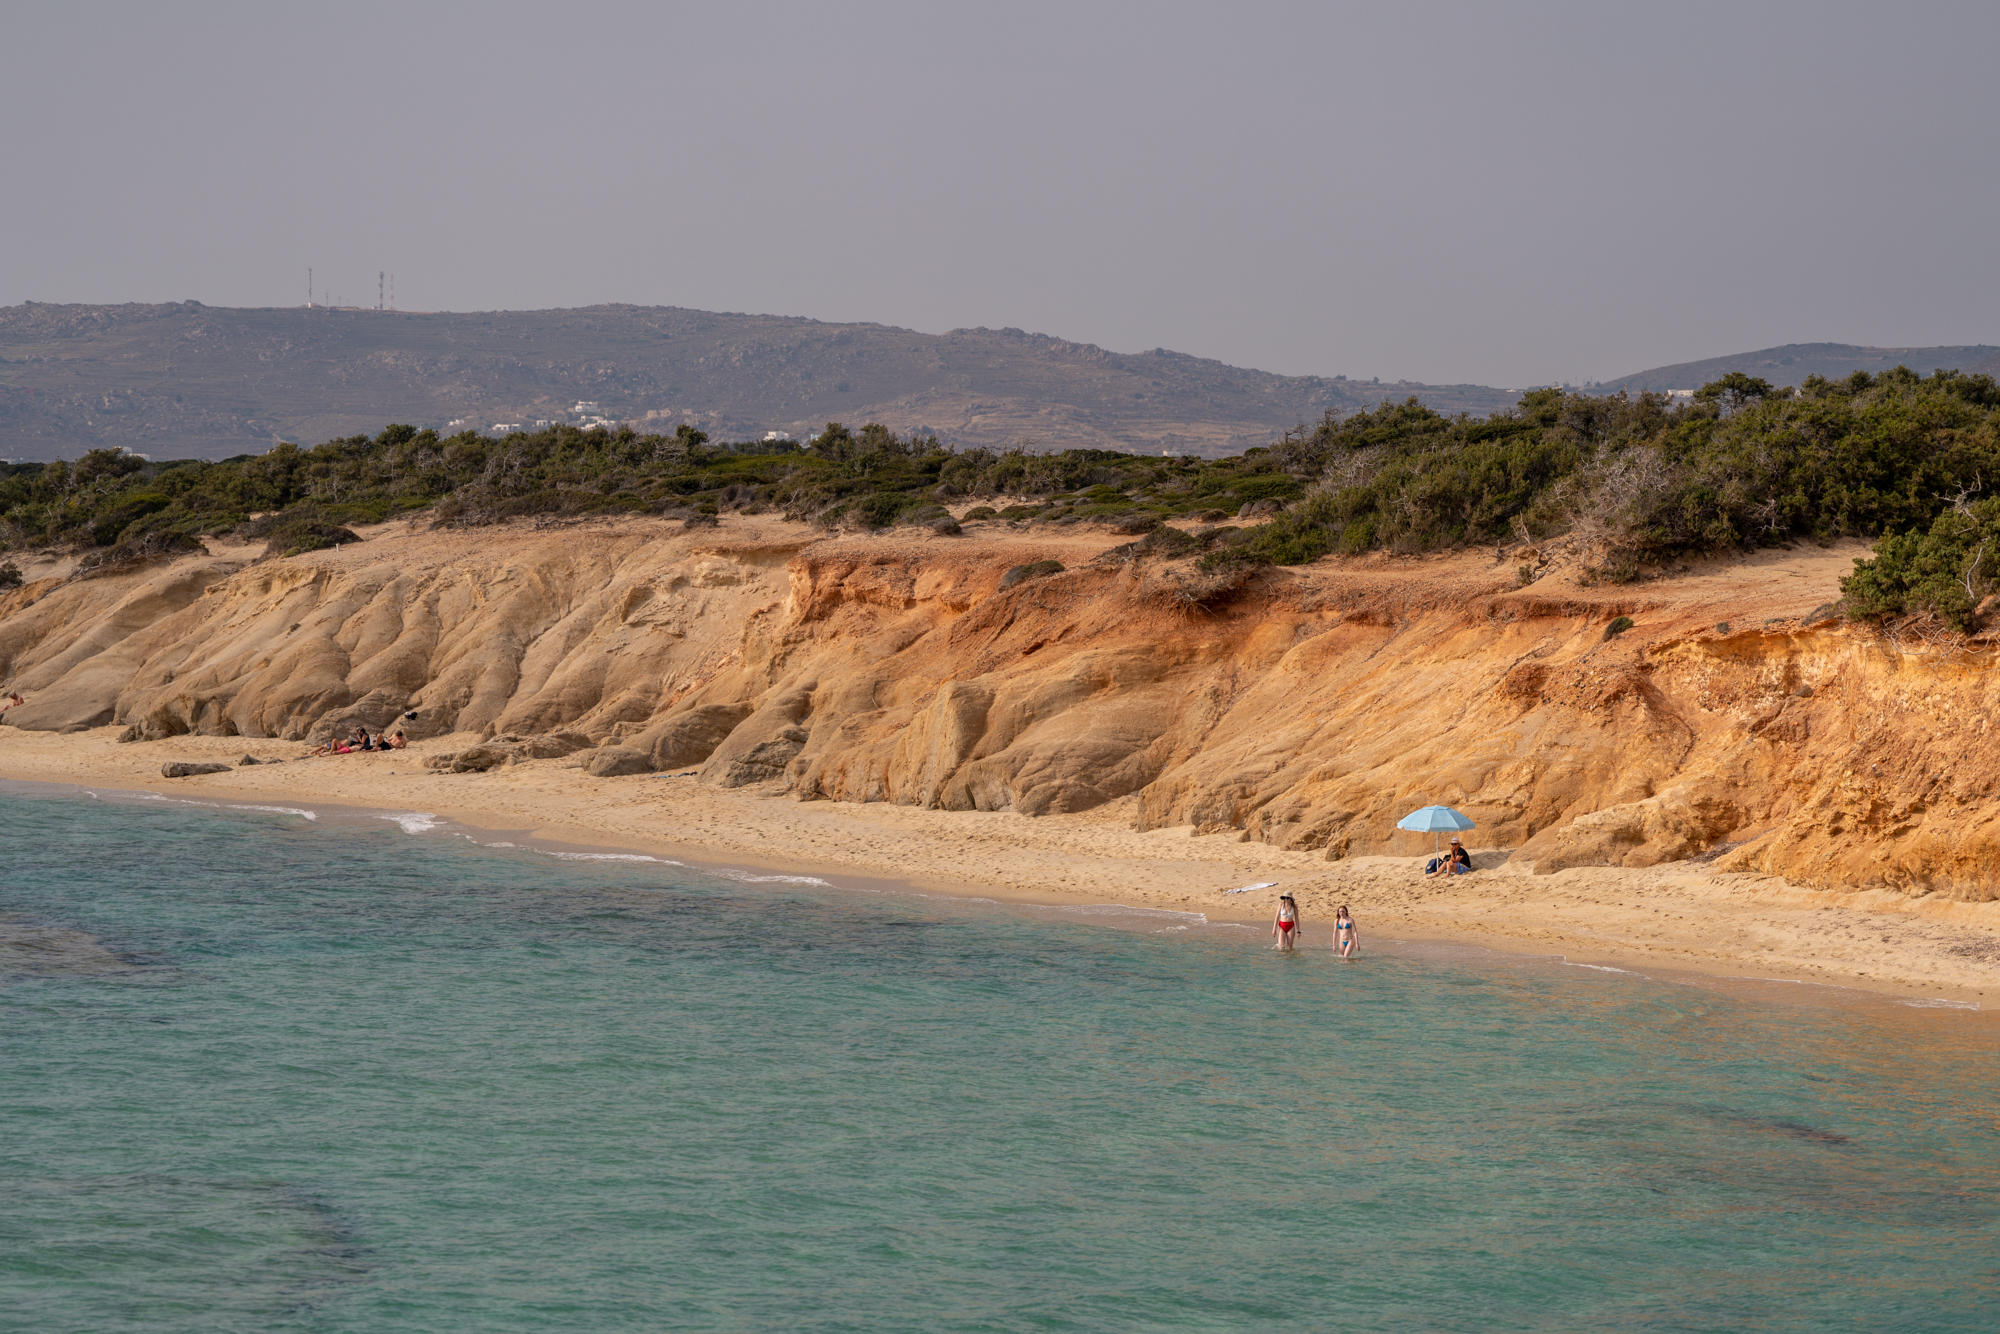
(1456, 860)
(1436, 820)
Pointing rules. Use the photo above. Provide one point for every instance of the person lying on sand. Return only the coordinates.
(397, 742)
(1456, 861)
(1286, 925)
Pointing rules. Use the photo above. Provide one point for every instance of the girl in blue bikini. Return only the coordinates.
(1345, 937)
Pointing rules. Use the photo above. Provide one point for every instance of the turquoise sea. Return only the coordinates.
(262, 1072)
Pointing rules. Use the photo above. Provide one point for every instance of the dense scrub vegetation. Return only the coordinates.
(1911, 460)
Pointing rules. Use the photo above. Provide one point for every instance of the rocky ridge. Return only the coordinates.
(184, 380)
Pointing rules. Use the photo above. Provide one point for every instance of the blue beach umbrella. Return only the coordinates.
(1434, 820)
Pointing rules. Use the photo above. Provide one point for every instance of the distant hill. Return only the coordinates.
(1793, 362)
(188, 380)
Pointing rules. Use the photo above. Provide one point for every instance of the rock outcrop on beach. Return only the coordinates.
(1737, 720)
(192, 768)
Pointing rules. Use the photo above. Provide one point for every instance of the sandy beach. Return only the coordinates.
(1679, 916)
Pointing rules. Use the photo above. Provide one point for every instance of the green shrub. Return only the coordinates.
(880, 509)
(1131, 521)
(375, 509)
(1162, 543)
(302, 535)
(128, 512)
(1265, 486)
(1034, 570)
(1619, 625)
(145, 549)
(1945, 570)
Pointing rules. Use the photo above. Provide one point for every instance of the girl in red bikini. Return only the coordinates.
(1286, 925)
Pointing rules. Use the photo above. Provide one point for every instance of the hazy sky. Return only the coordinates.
(1445, 192)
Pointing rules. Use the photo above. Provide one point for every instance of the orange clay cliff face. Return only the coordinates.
(1309, 708)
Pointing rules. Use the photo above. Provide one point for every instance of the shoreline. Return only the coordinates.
(1742, 987)
(1728, 928)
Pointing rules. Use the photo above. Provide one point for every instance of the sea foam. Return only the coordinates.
(1121, 910)
(602, 856)
(746, 878)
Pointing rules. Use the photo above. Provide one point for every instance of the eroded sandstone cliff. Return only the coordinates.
(1302, 707)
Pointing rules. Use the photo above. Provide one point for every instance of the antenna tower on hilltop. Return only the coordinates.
(379, 276)
(392, 291)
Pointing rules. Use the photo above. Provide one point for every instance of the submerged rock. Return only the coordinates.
(40, 949)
